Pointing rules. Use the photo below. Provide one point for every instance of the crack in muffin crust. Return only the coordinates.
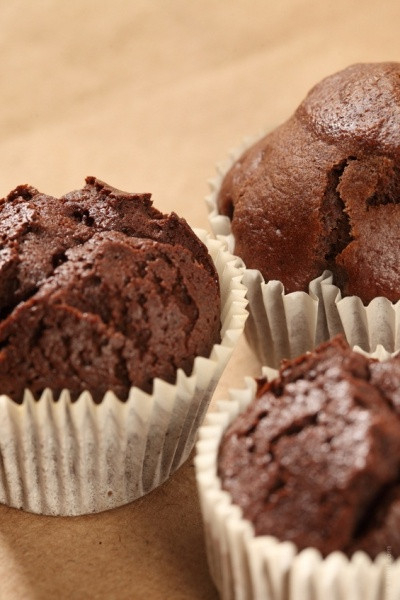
(322, 191)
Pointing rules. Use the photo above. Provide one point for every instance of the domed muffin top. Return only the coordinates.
(357, 107)
(322, 191)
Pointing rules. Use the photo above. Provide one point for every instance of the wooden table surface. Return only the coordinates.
(148, 95)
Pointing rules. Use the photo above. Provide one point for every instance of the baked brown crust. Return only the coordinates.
(323, 190)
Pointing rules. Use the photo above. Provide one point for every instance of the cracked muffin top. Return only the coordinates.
(100, 291)
(315, 458)
(322, 191)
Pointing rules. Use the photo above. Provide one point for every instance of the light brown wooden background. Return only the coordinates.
(148, 95)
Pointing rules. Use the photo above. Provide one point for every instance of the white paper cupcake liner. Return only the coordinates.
(285, 325)
(249, 567)
(72, 458)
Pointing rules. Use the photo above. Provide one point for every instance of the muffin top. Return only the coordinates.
(322, 191)
(315, 459)
(100, 291)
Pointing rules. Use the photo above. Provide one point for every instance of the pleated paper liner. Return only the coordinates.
(286, 325)
(72, 458)
(249, 567)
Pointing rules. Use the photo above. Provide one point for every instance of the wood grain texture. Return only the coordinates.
(148, 96)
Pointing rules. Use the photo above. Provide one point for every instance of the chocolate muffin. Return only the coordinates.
(100, 291)
(315, 459)
(322, 191)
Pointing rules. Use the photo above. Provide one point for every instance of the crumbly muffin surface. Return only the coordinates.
(100, 291)
(316, 457)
